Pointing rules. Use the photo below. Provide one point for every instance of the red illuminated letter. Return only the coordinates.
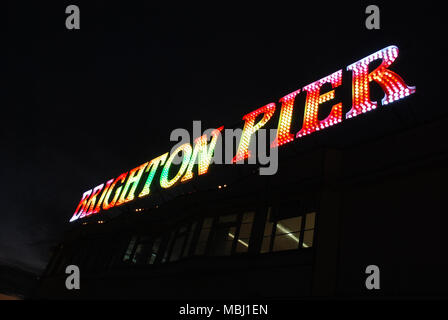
(91, 203)
(392, 84)
(311, 122)
(133, 179)
(106, 204)
(250, 128)
(81, 206)
(103, 195)
(284, 123)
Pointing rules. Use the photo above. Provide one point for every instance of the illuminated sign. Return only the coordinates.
(121, 190)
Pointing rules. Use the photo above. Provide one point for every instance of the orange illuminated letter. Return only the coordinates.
(250, 128)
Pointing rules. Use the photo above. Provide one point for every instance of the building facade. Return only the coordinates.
(369, 191)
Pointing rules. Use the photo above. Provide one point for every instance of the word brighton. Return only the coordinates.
(121, 190)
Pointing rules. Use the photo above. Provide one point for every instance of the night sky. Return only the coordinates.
(83, 106)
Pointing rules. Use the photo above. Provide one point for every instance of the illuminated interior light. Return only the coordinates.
(311, 122)
(201, 154)
(89, 209)
(284, 123)
(82, 204)
(106, 204)
(250, 128)
(240, 241)
(390, 82)
(133, 179)
(289, 234)
(186, 150)
(152, 168)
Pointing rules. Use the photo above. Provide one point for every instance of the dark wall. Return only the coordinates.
(393, 214)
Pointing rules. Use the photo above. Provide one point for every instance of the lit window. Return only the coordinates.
(245, 231)
(142, 250)
(223, 236)
(130, 249)
(267, 236)
(289, 233)
(167, 251)
(178, 245)
(308, 233)
(154, 251)
(189, 239)
(203, 236)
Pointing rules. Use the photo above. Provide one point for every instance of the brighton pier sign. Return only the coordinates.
(122, 189)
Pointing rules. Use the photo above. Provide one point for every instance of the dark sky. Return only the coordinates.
(83, 106)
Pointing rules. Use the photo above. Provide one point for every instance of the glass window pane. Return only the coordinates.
(167, 249)
(202, 241)
(265, 244)
(138, 253)
(230, 234)
(310, 219)
(207, 223)
(130, 248)
(154, 251)
(204, 235)
(308, 239)
(248, 217)
(242, 245)
(287, 241)
(200, 248)
(268, 228)
(245, 230)
(156, 245)
(222, 240)
(289, 225)
(152, 258)
(177, 248)
(224, 249)
(228, 218)
(190, 237)
(268, 225)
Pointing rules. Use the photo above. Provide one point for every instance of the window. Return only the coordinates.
(224, 235)
(168, 246)
(189, 239)
(267, 236)
(288, 233)
(154, 251)
(245, 231)
(178, 245)
(142, 250)
(203, 236)
(308, 233)
(130, 249)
